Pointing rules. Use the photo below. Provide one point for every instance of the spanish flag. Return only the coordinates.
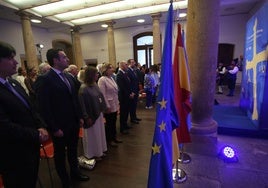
(182, 88)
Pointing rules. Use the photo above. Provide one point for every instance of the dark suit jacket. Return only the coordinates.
(58, 106)
(134, 81)
(124, 89)
(19, 137)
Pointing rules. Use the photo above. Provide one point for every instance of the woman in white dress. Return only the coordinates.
(93, 105)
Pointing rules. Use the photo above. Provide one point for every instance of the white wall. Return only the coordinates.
(46, 38)
(11, 32)
(232, 31)
(95, 45)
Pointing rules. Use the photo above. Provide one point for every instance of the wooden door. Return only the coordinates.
(225, 53)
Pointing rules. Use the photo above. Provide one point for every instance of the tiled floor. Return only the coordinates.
(127, 166)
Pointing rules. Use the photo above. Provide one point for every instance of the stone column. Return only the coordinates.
(77, 50)
(156, 38)
(202, 48)
(29, 45)
(111, 43)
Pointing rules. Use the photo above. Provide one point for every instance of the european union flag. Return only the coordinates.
(160, 172)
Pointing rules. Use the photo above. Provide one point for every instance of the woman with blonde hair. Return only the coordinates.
(110, 91)
(93, 105)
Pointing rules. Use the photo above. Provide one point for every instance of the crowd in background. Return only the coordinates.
(56, 100)
(65, 99)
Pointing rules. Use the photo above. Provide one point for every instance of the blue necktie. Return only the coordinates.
(66, 81)
(8, 85)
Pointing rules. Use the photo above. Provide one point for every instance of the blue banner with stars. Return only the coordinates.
(160, 171)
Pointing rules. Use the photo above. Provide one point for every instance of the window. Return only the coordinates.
(143, 48)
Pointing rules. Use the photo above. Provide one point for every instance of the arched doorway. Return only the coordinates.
(143, 48)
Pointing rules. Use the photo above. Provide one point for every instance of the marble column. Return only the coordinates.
(77, 49)
(202, 48)
(156, 38)
(28, 39)
(111, 43)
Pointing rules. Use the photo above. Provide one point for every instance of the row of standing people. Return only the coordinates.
(151, 83)
(128, 93)
(148, 79)
(59, 104)
(23, 129)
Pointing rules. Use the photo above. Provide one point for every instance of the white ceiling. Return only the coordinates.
(140, 9)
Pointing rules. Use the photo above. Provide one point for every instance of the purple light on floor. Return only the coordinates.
(227, 154)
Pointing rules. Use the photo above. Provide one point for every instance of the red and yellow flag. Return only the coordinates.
(182, 88)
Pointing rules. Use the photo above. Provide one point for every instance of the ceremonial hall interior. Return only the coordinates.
(231, 124)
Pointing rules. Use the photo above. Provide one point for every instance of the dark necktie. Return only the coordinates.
(126, 76)
(8, 85)
(65, 80)
(134, 72)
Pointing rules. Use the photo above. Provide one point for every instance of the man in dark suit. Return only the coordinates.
(21, 128)
(73, 71)
(124, 95)
(134, 86)
(58, 104)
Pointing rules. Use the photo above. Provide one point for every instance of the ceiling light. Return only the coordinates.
(127, 13)
(35, 21)
(140, 20)
(182, 15)
(81, 12)
(104, 25)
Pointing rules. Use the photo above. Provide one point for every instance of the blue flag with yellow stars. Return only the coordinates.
(160, 172)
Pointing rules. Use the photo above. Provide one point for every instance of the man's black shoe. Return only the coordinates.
(113, 144)
(124, 132)
(118, 141)
(79, 177)
(138, 119)
(134, 121)
(67, 186)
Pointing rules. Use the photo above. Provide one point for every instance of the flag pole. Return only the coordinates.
(180, 175)
(184, 157)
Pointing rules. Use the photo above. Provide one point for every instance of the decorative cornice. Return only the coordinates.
(156, 16)
(76, 28)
